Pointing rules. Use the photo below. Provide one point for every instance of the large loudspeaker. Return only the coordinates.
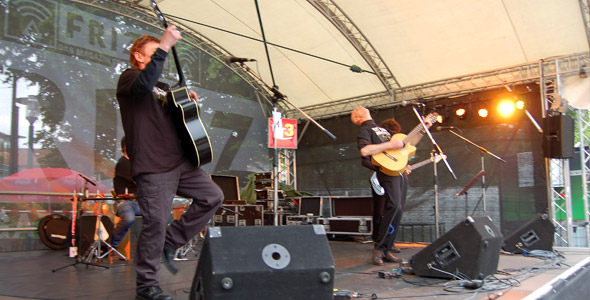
(536, 234)
(264, 263)
(471, 248)
(86, 230)
(558, 137)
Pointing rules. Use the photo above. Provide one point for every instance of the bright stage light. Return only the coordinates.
(506, 108)
(482, 112)
(460, 113)
(439, 119)
(519, 104)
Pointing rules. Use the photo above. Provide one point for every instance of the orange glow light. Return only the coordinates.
(506, 108)
(482, 112)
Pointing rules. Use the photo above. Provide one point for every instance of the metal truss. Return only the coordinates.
(558, 170)
(583, 121)
(354, 35)
(520, 74)
(585, 9)
(287, 167)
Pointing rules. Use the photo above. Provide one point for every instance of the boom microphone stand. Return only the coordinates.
(482, 172)
(437, 150)
(276, 122)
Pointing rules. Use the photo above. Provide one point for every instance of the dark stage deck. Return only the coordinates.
(28, 275)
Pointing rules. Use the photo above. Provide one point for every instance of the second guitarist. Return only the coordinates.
(373, 139)
(159, 165)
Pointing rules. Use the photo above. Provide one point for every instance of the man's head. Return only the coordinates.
(142, 50)
(359, 115)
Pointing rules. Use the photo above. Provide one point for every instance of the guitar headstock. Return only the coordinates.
(159, 13)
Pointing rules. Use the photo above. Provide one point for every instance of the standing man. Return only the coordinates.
(158, 164)
(371, 140)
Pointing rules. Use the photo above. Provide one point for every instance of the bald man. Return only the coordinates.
(371, 140)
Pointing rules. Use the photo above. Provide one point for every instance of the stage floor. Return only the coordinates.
(29, 275)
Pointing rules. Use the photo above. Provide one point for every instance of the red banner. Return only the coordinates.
(286, 136)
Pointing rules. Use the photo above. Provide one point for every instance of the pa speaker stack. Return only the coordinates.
(264, 263)
(536, 234)
(471, 248)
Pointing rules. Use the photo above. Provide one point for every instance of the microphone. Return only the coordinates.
(233, 59)
(87, 179)
(441, 128)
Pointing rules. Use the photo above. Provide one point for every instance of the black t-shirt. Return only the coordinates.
(123, 179)
(152, 142)
(369, 134)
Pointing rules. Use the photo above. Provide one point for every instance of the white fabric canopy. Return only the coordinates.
(419, 41)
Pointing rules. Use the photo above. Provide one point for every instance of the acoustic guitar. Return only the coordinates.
(193, 136)
(394, 161)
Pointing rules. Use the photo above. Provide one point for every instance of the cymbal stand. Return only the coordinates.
(94, 249)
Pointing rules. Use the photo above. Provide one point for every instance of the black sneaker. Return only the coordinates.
(169, 255)
(152, 293)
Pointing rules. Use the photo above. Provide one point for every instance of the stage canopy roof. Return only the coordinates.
(397, 43)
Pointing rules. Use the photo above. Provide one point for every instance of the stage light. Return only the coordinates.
(519, 104)
(506, 108)
(440, 119)
(461, 113)
(482, 112)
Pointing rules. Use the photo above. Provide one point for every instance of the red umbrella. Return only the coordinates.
(58, 182)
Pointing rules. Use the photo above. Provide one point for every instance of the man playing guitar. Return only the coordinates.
(159, 165)
(372, 140)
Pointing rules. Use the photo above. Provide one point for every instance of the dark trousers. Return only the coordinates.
(155, 193)
(396, 188)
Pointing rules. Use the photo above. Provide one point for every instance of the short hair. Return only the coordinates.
(138, 46)
(123, 145)
(391, 125)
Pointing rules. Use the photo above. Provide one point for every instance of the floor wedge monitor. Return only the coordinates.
(471, 248)
(536, 234)
(264, 263)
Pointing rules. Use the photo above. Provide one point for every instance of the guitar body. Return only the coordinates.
(393, 162)
(193, 136)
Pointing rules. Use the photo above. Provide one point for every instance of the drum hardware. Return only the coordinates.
(100, 237)
(75, 244)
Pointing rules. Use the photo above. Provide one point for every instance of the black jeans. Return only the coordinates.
(155, 193)
(396, 188)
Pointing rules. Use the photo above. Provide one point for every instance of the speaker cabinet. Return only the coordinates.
(264, 263)
(536, 234)
(471, 248)
(558, 136)
(87, 229)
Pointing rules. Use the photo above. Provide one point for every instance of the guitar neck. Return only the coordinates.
(181, 81)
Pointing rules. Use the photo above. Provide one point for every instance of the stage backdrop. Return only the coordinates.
(60, 64)
(514, 191)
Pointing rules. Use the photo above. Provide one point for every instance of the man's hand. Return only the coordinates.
(193, 95)
(169, 38)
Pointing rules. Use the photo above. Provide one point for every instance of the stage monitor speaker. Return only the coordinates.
(558, 136)
(87, 229)
(264, 263)
(471, 248)
(536, 234)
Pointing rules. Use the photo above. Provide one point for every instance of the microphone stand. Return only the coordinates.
(482, 172)
(437, 150)
(277, 122)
